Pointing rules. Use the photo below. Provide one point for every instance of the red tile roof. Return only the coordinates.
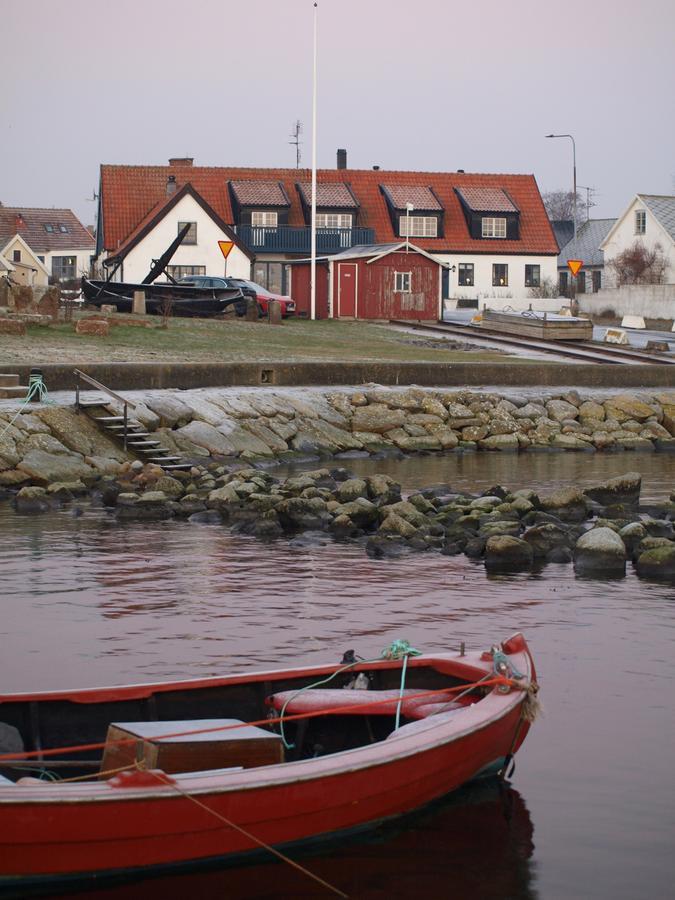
(66, 232)
(487, 199)
(129, 192)
(260, 193)
(420, 197)
(330, 194)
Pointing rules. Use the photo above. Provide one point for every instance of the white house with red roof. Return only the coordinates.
(199, 253)
(50, 243)
(490, 230)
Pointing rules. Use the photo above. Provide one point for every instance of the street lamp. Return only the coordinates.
(574, 189)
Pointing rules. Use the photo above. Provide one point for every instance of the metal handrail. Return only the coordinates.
(101, 387)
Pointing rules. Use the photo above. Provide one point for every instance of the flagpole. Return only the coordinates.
(313, 250)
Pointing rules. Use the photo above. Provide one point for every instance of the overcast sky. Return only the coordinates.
(427, 85)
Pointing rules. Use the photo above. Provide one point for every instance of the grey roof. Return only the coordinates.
(563, 229)
(589, 237)
(663, 208)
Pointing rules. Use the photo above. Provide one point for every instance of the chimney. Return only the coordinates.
(184, 161)
(342, 159)
(460, 171)
(376, 168)
(170, 185)
(19, 222)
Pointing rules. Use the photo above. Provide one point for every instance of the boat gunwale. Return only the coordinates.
(475, 718)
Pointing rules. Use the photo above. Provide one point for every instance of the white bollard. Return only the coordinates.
(633, 322)
(616, 336)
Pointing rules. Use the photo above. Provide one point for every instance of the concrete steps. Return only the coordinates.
(137, 439)
(11, 389)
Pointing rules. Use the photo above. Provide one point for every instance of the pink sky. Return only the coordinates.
(427, 85)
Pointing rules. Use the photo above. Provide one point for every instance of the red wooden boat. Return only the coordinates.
(347, 766)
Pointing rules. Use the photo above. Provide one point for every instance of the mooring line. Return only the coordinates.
(281, 856)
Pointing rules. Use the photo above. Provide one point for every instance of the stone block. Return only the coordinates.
(107, 309)
(97, 327)
(12, 326)
(48, 304)
(138, 305)
(274, 312)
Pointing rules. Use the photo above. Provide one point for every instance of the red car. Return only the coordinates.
(263, 296)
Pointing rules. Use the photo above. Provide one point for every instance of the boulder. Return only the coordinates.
(571, 442)
(506, 553)
(204, 435)
(600, 551)
(567, 504)
(624, 407)
(410, 444)
(360, 511)
(244, 442)
(543, 538)
(659, 562)
(169, 486)
(79, 433)
(383, 490)
(377, 418)
(31, 500)
(46, 467)
(407, 511)
(352, 489)
(623, 489)
(98, 327)
(172, 412)
(268, 437)
(558, 410)
(499, 442)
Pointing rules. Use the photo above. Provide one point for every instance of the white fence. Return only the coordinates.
(652, 301)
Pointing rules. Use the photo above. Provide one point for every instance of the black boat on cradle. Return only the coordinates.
(181, 299)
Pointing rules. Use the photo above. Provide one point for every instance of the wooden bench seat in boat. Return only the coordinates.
(246, 746)
(360, 702)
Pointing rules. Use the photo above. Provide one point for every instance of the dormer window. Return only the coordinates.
(640, 221)
(415, 210)
(264, 218)
(336, 205)
(493, 227)
(418, 226)
(490, 213)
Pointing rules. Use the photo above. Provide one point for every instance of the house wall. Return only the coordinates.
(205, 252)
(624, 236)
(83, 260)
(28, 270)
(515, 294)
(375, 294)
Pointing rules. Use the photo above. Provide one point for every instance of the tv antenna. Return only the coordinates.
(295, 134)
(590, 191)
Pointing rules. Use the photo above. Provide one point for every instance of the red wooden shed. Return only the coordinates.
(374, 281)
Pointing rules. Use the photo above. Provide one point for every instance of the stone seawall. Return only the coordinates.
(53, 444)
(187, 376)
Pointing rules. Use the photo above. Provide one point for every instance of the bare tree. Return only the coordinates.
(638, 264)
(545, 290)
(559, 206)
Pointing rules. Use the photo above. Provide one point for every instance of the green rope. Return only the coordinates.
(36, 389)
(399, 649)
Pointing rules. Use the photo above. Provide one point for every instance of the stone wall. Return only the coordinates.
(652, 301)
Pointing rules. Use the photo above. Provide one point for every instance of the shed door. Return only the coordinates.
(347, 289)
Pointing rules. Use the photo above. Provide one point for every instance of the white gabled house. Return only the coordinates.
(27, 267)
(199, 253)
(52, 242)
(648, 220)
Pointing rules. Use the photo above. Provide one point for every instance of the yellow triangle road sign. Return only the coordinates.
(225, 247)
(575, 266)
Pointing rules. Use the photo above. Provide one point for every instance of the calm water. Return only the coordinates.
(592, 809)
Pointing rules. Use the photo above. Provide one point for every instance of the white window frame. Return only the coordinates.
(402, 282)
(334, 220)
(420, 226)
(191, 236)
(640, 221)
(263, 218)
(493, 227)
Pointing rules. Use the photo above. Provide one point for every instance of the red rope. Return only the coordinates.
(100, 745)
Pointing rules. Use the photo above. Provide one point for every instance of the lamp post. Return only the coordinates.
(574, 198)
(312, 308)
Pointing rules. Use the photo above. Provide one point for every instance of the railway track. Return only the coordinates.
(582, 351)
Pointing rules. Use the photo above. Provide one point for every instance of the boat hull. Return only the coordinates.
(63, 831)
(184, 300)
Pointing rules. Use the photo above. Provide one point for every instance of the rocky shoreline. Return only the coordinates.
(51, 455)
(260, 427)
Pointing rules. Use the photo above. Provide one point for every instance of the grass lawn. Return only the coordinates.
(209, 340)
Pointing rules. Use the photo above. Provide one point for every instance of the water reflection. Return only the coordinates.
(478, 843)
